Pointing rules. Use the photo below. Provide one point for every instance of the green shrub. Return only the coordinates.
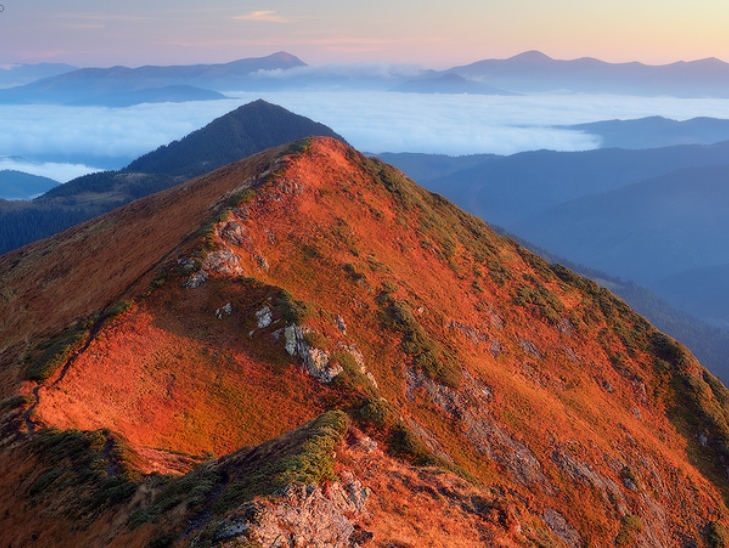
(55, 354)
(426, 354)
(717, 536)
(293, 311)
(403, 443)
(317, 340)
(351, 378)
(630, 526)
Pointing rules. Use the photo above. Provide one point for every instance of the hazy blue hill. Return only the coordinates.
(166, 94)
(18, 185)
(249, 129)
(449, 83)
(20, 73)
(506, 189)
(535, 72)
(656, 131)
(645, 231)
(703, 292)
(92, 82)
(423, 167)
(240, 133)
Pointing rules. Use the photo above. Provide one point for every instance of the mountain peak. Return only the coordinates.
(532, 56)
(307, 328)
(246, 130)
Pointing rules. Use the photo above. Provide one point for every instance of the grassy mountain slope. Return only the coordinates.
(349, 358)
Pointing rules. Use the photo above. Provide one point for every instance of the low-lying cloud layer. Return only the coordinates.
(371, 121)
(61, 172)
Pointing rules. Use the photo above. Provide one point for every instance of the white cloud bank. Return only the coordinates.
(371, 121)
(61, 172)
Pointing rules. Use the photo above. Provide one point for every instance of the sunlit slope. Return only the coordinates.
(310, 316)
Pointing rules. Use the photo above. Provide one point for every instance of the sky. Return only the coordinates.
(427, 33)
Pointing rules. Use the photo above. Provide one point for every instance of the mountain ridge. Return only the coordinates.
(362, 337)
(87, 83)
(248, 129)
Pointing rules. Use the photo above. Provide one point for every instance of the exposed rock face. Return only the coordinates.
(562, 529)
(225, 310)
(265, 317)
(223, 261)
(316, 361)
(469, 405)
(196, 279)
(233, 232)
(302, 515)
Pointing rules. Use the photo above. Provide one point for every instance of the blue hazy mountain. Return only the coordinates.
(534, 71)
(656, 132)
(505, 189)
(449, 83)
(18, 185)
(660, 232)
(88, 83)
(19, 74)
(167, 94)
(703, 292)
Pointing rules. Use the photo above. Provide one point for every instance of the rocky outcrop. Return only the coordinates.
(300, 515)
(562, 529)
(315, 361)
(223, 261)
(469, 405)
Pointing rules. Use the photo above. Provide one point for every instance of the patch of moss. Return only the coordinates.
(351, 379)
(427, 355)
(317, 340)
(88, 468)
(305, 455)
(55, 354)
(550, 307)
(120, 308)
(14, 402)
(716, 535)
(630, 526)
(190, 490)
(292, 310)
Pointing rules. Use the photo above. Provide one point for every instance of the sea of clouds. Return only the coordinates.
(36, 138)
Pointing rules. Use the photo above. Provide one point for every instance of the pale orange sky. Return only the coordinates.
(427, 33)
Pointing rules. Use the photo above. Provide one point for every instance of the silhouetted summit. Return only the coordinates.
(248, 129)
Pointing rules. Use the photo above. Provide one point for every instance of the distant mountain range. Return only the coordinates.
(644, 231)
(529, 72)
(656, 132)
(89, 84)
(448, 83)
(535, 72)
(167, 94)
(21, 73)
(506, 189)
